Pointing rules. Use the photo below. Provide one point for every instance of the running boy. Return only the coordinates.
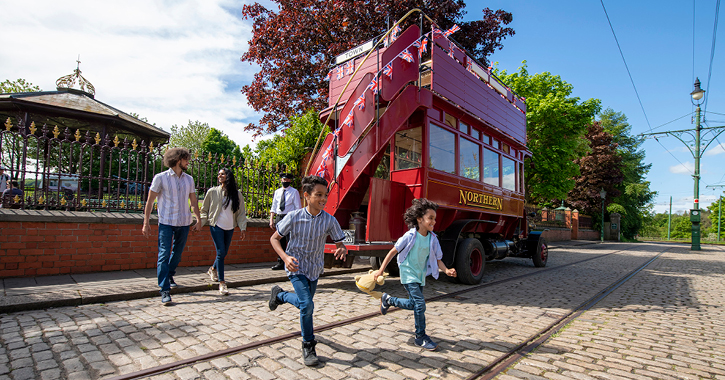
(419, 255)
(306, 228)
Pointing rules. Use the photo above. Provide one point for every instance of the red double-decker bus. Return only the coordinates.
(421, 118)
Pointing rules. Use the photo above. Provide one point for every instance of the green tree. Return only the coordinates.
(289, 148)
(555, 123)
(635, 194)
(714, 210)
(137, 116)
(218, 143)
(190, 136)
(19, 85)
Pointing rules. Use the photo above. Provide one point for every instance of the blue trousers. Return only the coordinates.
(222, 240)
(415, 302)
(172, 240)
(302, 299)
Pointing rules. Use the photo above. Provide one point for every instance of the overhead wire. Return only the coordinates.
(712, 49)
(635, 87)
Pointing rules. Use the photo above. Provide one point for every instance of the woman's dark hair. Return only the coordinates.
(417, 210)
(309, 183)
(174, 155)
(230, 190)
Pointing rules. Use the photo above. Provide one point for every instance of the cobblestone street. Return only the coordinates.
(666, 322)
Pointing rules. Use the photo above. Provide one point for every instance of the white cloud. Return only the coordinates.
(715, 150)
(684, 168)
(168, 61)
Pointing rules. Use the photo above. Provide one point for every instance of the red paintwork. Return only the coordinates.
(453, 90)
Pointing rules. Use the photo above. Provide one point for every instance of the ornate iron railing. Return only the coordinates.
(585, 222)
(85, 172)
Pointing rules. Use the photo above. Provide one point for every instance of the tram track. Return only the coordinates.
(497, 364)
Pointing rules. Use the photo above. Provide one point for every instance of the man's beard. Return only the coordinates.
(183, 168)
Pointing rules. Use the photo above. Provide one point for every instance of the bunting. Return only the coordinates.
(360, 102)
(329, 75)
(423, 48)
(394, 34)
(339, 72)
(388, 70)
(452, 30)
(350, 67)
(451, 46)
(373, 86)
(469, 65)
(406, 56)
(348, 120)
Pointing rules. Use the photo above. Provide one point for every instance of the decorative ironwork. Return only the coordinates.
(84, 172)
(68, 81)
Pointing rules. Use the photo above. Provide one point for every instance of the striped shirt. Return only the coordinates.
(173, 197)
(307, 235)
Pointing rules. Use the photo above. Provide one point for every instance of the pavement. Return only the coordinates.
(666, 322)
(33, 293)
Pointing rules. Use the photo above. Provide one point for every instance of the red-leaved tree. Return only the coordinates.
(600, 168)
(294, 45)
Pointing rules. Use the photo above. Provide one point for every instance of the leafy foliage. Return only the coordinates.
(599, 169)
(555, 124)
(190, 136)
(218, 143)
(290, 148)
(635, 194)
(714, 209)
(19, 85)
(294, 45)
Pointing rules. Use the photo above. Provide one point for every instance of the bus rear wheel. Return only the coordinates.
(470, 261)
(541, 254)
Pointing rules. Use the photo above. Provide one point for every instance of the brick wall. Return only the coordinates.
(34, 243)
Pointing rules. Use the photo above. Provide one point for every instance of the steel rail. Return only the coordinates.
(503, 362)
(233, 350)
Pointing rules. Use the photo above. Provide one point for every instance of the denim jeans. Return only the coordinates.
(222, 240)
(172, 240)
(416, 302)
(302, 299)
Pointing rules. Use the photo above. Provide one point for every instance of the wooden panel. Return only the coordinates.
(361, 118)
(465, 89)
(403, 71)
(386, 207)
(336, 85)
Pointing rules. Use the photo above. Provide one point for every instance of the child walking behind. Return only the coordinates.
(419, 255)
(306, 229)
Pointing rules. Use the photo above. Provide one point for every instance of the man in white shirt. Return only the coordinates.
(4, 178)
(175, 190)
(285, 200)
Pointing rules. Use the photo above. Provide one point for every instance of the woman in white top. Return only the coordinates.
(223, 209)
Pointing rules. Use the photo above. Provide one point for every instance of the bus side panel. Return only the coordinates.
(387, 204)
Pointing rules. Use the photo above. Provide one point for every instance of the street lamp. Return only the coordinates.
(697, 95)
(603, 195)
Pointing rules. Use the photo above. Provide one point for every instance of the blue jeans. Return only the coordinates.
(222, 240)
(416, 302)
(302, 299)
(172, 240)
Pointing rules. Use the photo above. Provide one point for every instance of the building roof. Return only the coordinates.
(76, 109)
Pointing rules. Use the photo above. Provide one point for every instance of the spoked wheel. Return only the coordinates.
(541, 255)
(470, 261)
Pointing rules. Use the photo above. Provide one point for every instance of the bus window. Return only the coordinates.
(442, 148)
(470, 159)
(463, 127)
(476, 134)
(521, 177)
(505, 148)
(508, 168)
(490, 167)
(451, 121)
(408, 148)
(494, 143)
(485, 138)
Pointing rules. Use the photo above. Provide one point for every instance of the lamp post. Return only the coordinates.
(697, 95)
(603, 195)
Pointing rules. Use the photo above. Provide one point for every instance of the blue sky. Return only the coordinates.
(177, 61)
(573, 39)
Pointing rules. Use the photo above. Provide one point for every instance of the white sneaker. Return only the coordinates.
(213, 274)
(223, 289)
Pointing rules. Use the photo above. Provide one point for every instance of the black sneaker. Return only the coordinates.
(172, 283)
(384, 305)
(278, 266)
(273, 301)
(308, 353)
(426, 343)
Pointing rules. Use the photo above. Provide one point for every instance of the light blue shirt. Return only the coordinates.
(406, 243)
(413, 268)
(307, 234)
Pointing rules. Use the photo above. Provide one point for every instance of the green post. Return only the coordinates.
(696, 204)
(669, 220)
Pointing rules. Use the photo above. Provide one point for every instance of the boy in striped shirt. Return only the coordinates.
(307, 229)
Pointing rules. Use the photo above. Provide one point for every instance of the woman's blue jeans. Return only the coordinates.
(172, 240)
(416, 302)
(222, 240)
(302, 299)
